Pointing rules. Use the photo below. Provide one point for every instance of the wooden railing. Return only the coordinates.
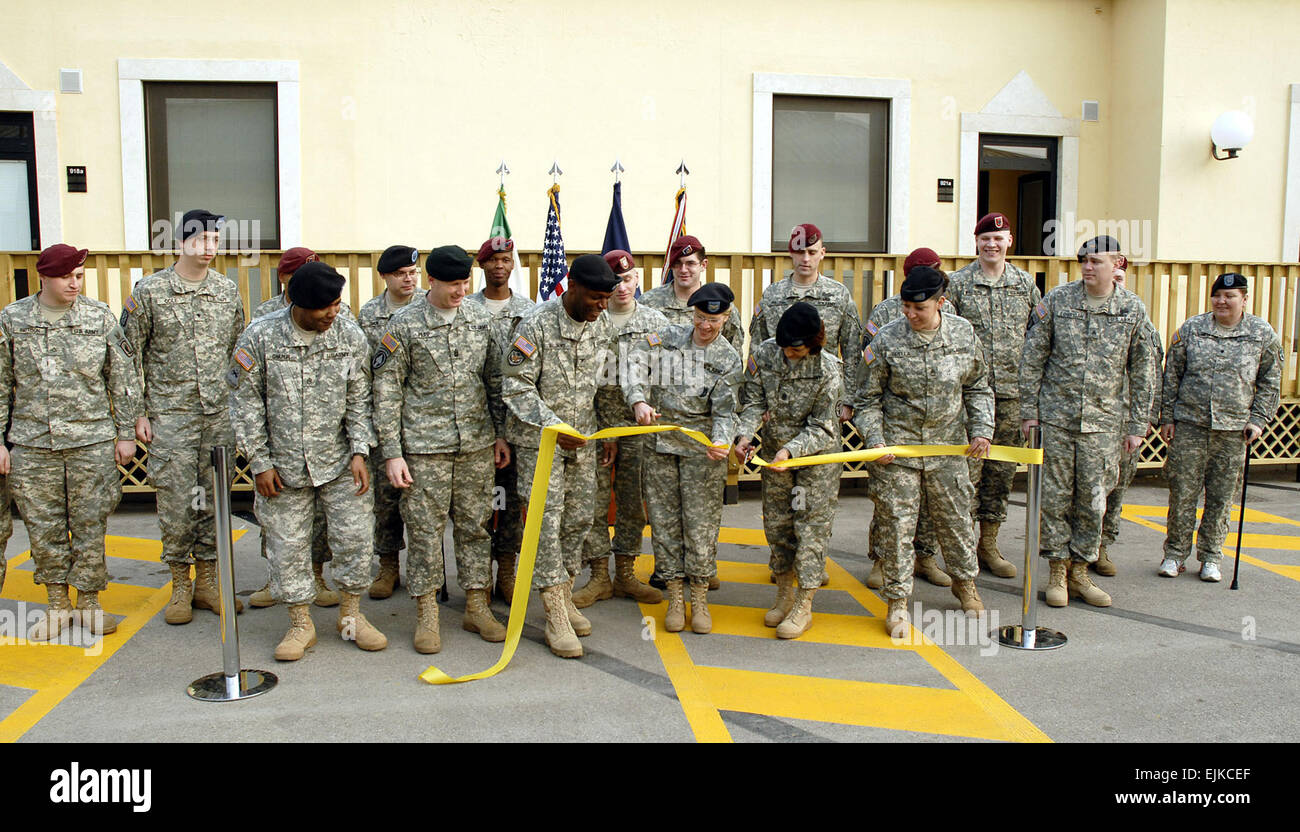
(1172, 291)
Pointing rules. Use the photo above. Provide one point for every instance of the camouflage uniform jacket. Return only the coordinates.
(1223, 381)
(1000, 309)
(375, 315)
(691, 387)
(1073, 368)
(550, 371)
(503, 327)
(664, 298)
(1157, 363)
(889, 309)
(914, 393)
(801, 399)
(302, 410)
(644, 328)
(281, 301)
(431, 381)
(182, 335)
(838, 312)
(67, 384)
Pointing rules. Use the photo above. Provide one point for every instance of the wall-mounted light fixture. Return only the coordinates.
(1232, 131)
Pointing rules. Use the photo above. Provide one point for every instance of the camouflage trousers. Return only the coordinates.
(1128, 464)
(1206, 461)
(629, 510)
(1079, 472)
(683, 496)
(320, 547)
(65, 498)
(992, 480)
(945, 484)
(6, 525)
(509, 528)
(287, 529)
(566, 514)
(443, 484)
(798, 509)
(388, 513)
(923, 544)
(180, 470)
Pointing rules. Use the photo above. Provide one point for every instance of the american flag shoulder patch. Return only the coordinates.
(1041, 311)
(525, 346)
(653, 339)
(868, 356)
(752, 366)
(389, 342)
(1177, 337)
(243, 359)
(872, 329)
(130, 304)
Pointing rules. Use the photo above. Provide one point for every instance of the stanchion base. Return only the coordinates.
(1041, 638)
(216, 687)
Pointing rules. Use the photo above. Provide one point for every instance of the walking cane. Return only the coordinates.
(1241, 516)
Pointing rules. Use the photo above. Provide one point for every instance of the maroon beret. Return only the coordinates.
(684, 246)
(992, 222)
(920, 257)
(60, 260)
(620, 261)
(802, 236)
(493, 245)
(294, 258)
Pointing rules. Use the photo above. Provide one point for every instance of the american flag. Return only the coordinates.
(555, 272)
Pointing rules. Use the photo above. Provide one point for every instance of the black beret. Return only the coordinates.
(449, 263)
(922, 283)
(197, 221)
(712, 298)
(397, 257)
(1102, 244)
(593, 272)
(1229, 280)
(799, 325)
(315, 286)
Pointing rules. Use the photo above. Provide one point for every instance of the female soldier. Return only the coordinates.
(790, 397)
(1221, 387)
(925, 382)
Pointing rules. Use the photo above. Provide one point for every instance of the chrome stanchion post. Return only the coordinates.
(232, 682)
(1027, 635)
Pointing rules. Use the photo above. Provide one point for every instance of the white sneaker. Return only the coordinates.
(1168, 568)
(1210, 572)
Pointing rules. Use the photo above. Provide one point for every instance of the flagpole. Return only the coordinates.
(617, 169)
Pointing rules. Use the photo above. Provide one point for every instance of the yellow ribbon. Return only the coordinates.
(542, 478)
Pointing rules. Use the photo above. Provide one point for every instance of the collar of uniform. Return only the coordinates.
(72, 318)
(1209, 327)
(940, 337)
(433, 319)
(1010, 275)
(814, 290)
(290, 331)
(569, 328)
(182, 286)
(1079, 299)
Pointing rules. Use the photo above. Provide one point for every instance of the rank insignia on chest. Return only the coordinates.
(232, 378)
(653, 339)
(130, 304)
(243, 359)
(868, 356)
(524, 346)
(872, 329)
(751, 366)
(1041, 311)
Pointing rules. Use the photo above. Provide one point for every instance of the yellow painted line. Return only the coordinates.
(827, 628)
(727, 534)
(701, 713)
(1252, 515)
(1229, 545)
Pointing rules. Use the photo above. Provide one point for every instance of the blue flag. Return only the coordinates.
(615, 229)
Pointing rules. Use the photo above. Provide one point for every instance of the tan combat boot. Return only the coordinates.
(206, 595)
(675, 618)
(715, 583)
(479, 618)
(581, 625)
(897, 619)
(930, 570)
(325, 597)
(301, 635)
(598, 588)
(1104, 565)
(179, 608)
(784, 600)
(92, 615)
(988, 553)
(262, 597)
(506, 577)
(877, 577)
(56, 618)
(627, 585)
(701, 621)
(969, 596)
(353, 625)
(559, 632)
(800, 617)
(427, 637)
(388, 578)
(1056, 593)
(1080, 585)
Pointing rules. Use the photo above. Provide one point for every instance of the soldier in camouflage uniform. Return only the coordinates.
(924, 543)
(1089, 336)
(70, 391)
(998, 299)
(791, 393)
(496, 257)
(432, 370)
(292, 259)
(1222, 385)
(925, 382)
(688, 261)
(551, 370)
(687, 376)
(631, 325)
(300, 406)
(399, 268)
(182, 323)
